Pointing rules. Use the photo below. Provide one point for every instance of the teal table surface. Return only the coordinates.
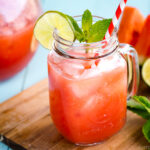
(37, 68)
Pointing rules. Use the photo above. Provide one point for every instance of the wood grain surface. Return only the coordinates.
(25, 123)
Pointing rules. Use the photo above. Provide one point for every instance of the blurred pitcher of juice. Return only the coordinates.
(88, 86)
(17, 43)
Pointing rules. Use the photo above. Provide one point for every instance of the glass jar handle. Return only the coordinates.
(131, 57)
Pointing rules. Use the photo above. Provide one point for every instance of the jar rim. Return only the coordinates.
(99, 47)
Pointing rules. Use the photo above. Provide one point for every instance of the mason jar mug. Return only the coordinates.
(89, 84)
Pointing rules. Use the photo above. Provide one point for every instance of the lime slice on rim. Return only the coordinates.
(146, 72)
(46, 24)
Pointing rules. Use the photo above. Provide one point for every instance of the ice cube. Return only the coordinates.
(72, 69)
(83, 88)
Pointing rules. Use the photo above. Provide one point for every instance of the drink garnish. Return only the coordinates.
(68, 28)
(46, 24)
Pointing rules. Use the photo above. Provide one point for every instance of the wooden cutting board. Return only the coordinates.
(25, 123)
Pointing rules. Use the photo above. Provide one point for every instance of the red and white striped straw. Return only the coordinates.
(114, 22)
(115, 18)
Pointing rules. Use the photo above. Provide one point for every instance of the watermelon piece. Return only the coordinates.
(143, 44)
(130, 26)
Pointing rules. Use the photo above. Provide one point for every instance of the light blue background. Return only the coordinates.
(37, 68)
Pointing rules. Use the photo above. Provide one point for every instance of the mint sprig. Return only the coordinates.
(89, 32)
(141, 106)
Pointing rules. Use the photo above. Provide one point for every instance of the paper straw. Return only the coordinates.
(114, 22)
(115, 18)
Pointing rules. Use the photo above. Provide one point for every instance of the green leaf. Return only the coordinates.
(143, 113)
(146, 130)
(134, 104)
(141, 106)
(98, 30)
(77, 30)
(143, 101)
(138, 108)
(86, 22)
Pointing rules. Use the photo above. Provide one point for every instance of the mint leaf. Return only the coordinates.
(141, 106)
(98, 30)
(138, 108)
(86, 22)
(134, 104)
(143, 113)
(77, 30)
(143, 101)
(146, 130)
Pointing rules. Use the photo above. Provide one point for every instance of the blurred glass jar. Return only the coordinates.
(17, 43)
